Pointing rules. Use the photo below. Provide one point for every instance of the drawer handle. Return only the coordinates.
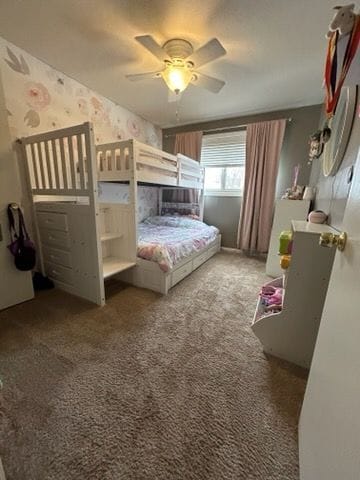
(49, 220)
(55, 272)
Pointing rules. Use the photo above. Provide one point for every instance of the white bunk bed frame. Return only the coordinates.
(82, 241)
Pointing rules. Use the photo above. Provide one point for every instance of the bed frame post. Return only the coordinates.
(21, 150)
(94, 203)
(133, 188)
(160, 200)
(201, 204)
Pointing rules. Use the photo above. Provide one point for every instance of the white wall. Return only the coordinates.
(15, 286)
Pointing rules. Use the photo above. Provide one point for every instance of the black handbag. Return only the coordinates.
(21, 247)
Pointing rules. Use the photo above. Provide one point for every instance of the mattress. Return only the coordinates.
(168, 240)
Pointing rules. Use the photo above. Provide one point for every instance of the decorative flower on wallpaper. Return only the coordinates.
(99, 113)
(99, 139)
(152, 139)
(40, 97)
(32, 119)
(95, 102)
(52, 122)
(133, 127)
(59, 83)
(17, 64)
(37, 95)
(62, 86)
(82, 92)
(117, 133)
(83, 106)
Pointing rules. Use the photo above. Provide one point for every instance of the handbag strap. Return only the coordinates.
(12, 227)
(22, 226)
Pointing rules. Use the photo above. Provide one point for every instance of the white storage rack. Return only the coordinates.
(81, 240)
(291, 334)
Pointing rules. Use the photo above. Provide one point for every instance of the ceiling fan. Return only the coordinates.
(180, 64)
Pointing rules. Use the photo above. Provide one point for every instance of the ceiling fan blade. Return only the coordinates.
(173, 97)
(210, 83)
(150, 44)
(143, 76)
(207, 53)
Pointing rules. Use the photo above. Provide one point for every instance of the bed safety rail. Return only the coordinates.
(58, 162)
(121, 161)
(191, 174)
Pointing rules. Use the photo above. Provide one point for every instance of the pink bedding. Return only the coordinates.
(167, 240)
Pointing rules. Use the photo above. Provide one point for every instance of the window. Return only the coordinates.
(223, 157)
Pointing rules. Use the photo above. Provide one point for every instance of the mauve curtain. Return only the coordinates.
(189, 144)
(263, 145)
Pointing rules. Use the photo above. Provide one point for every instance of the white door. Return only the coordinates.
(329, 430)
(15, 286)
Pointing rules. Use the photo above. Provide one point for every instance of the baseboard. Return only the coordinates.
(230, 249)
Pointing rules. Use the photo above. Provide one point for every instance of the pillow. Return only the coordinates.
(180, 221)
(175, 208)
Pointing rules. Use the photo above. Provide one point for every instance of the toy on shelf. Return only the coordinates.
(309, 193)
(345, 23)
(285, 261)
(317, 216)
(271, 298)
(295, 192)
(343, 20)
(285, 242)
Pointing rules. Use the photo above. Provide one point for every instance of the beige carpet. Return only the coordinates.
(148, 387)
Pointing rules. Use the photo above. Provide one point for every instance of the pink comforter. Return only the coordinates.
(167, 240)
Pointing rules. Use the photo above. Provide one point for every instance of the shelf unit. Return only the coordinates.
(285, 212)
(291, 334)
(105, 237)
(113, 265)
(118, 238)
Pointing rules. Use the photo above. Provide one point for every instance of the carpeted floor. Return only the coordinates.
(148, 387)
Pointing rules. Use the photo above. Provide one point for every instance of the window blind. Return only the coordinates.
(223, 149)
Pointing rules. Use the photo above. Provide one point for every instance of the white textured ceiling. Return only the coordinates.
(275, 48)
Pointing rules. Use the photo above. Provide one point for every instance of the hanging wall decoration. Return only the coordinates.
(345, 22)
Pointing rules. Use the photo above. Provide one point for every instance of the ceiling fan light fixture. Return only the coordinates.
(177, 77)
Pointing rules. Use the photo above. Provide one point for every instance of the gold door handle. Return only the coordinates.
(331, 239)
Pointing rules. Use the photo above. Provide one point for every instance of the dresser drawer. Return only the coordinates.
(200, 260)
(55, 221)
(212, 251)
(55, 238)
(60, 257)
(59, 273)
(181, 273)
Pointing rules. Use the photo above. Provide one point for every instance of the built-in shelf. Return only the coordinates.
(113, 265)
(260, 311)
(110, 236)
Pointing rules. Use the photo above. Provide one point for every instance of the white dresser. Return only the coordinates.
(285, 212)
(68, 251)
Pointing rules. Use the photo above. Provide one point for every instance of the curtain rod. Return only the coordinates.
(221, 129)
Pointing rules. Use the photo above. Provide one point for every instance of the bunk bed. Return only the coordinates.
(81, 240)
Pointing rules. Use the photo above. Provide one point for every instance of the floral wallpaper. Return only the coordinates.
(40, 98)
(147, 197)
